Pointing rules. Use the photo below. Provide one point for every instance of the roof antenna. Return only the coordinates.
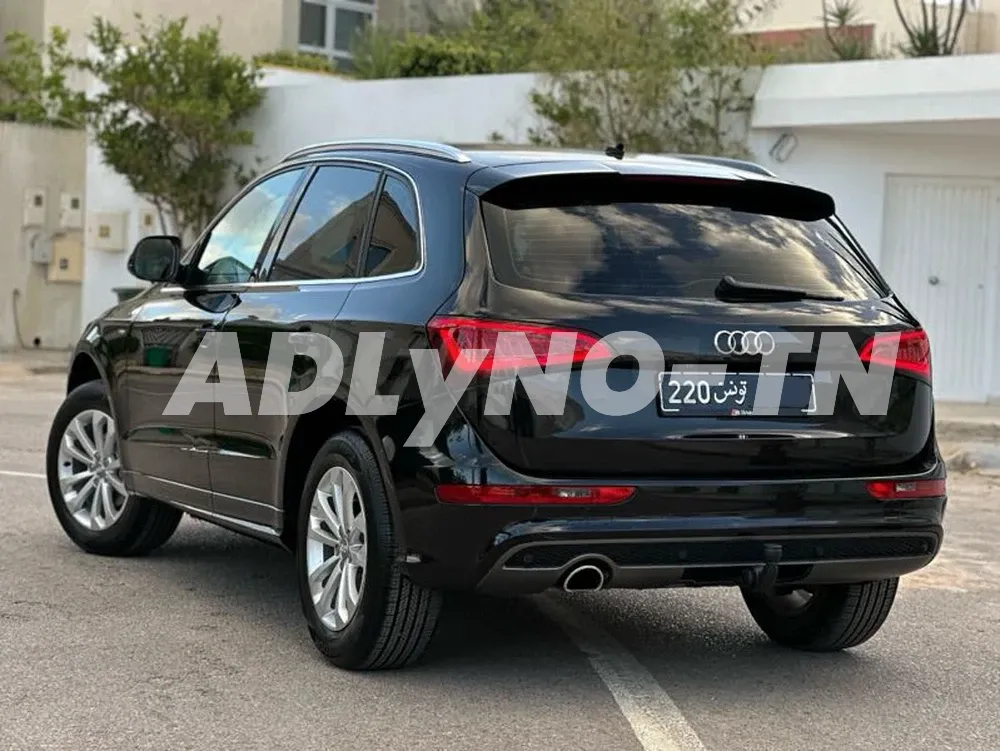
(617, 151)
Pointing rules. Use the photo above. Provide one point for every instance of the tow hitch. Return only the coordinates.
(763, 578)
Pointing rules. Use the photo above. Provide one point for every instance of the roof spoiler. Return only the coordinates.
(765, 196)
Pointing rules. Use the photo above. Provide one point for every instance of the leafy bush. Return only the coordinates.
(420, 56)
(298, 60)
(380, 54)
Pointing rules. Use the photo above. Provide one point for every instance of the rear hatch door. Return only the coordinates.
(715, 271)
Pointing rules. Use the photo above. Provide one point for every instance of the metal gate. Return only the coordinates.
(939, 253)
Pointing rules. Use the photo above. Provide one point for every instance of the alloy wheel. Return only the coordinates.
(336, 548)
(90, 470)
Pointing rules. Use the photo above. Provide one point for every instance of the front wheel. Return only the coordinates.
(362, 610)
(83, 468)
(825, 618)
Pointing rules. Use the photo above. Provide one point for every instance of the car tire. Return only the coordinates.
(832, 618)
(94, 509)
(392, 619)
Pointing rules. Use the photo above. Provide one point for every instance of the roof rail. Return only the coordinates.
(725, 161)
(421, 148)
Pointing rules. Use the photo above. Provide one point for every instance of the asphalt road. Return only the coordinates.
(202, 646)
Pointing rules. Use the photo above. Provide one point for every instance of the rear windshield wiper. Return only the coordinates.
(732, 290)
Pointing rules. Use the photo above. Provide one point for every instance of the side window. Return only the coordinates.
(324, 237)
(395, 245)
(235, 242)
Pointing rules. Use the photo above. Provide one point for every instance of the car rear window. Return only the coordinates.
(668, 250)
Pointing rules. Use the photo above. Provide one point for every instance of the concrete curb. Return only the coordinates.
(977, 458)
(968, 431)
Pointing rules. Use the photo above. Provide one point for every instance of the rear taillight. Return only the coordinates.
(532, 495)
(452, 335)
(912, 355)
(895, 490)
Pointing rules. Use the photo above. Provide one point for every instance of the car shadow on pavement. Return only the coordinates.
(702, 640)
(240, 574)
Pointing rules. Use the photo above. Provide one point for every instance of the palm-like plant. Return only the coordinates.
(930, 35)
(840, 18)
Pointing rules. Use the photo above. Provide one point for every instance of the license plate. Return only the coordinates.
(735, 395)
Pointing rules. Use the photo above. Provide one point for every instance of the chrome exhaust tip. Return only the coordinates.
(585, 578)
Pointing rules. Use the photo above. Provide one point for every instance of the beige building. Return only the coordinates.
(784, 21)
(248, 26)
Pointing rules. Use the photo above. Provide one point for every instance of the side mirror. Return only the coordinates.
(156, 259)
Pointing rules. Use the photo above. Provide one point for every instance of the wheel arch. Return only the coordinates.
(302, 442)
(83, 369)
(88, 365)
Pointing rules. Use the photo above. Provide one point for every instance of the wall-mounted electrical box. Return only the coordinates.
(149, 224)
(71, 211)
(67, 259)
(106, 231)
(34, 207)
(37, 246)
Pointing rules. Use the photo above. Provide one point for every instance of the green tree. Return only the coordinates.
(172, 108)
(656, 75)
(33, 82)
(516, 32)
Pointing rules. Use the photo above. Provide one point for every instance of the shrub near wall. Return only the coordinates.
(297, 60)
(423, 56)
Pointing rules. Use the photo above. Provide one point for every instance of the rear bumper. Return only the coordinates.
(802, 559)
(695, 532)
(523, 551)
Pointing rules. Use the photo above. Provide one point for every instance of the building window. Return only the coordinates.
(329, 27)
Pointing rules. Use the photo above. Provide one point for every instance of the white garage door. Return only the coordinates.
(939, 253)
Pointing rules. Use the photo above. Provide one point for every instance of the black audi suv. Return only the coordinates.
(813, 513)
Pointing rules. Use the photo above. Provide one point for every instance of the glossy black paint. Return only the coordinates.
(245, 471)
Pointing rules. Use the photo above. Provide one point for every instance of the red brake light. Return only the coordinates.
(891, 490)
(453, 334)
(913, 355)
(530, 495)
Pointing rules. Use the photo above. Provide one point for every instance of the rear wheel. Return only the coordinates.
(83, 468)
(825, 618)
(362, 610)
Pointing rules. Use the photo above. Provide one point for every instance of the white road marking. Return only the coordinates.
(656, 721)
(12, 473)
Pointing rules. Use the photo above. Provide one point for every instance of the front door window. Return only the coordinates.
(235, 242)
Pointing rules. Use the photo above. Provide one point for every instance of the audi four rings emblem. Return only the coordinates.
(744, 343)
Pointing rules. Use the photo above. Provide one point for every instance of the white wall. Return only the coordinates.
(31, 306)
(460, 109)
(852, 167)
(103, 271)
